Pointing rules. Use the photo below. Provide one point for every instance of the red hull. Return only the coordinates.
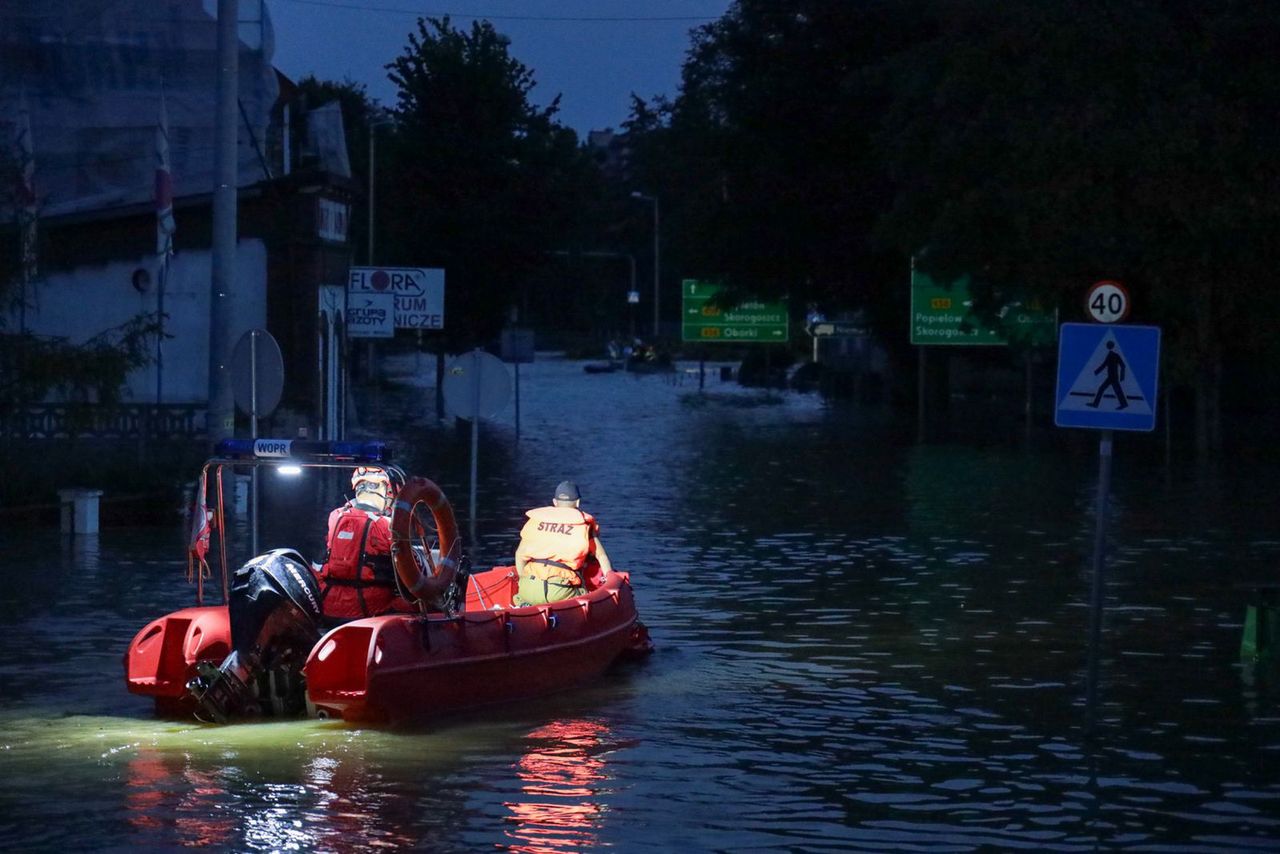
(402, 667)
(395, 668)
(162, 657)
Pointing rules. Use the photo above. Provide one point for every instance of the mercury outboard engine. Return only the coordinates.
(274, 607)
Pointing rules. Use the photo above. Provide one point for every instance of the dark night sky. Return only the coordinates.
(594, 53)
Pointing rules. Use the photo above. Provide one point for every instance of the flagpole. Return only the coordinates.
(163, 274)
(26, 209)
(22, 303)
(164, 235)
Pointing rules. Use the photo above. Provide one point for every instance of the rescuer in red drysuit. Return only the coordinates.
(358, 579)
(560, 554)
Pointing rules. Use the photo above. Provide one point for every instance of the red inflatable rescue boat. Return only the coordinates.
(263, 652)
(396, 667)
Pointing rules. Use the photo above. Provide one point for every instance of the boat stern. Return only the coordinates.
(337, 671)
(162, 657)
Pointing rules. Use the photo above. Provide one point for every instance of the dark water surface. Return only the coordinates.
(862, 645)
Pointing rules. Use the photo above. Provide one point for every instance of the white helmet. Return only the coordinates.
(371, 479)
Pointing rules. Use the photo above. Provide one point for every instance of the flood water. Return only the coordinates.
(862, 644)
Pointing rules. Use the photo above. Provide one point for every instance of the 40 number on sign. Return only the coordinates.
(1107, 302)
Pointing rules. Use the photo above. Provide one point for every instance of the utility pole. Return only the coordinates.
(657, 257)
(221, 423)
(374, 123)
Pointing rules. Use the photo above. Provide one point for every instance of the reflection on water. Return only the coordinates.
(164, 795)
(82, 551)
(561, 778)
(862, 645)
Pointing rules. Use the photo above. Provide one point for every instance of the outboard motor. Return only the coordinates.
(274, 608)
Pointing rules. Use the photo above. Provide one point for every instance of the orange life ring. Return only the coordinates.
(430, 582)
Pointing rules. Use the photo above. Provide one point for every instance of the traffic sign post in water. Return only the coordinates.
(257, 380)
(476, 385)
(1108, 379)
(1107, 376)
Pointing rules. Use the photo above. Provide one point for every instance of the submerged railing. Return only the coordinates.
(98, 421)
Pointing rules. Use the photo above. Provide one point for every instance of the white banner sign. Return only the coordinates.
(418, 292)
(371, 315)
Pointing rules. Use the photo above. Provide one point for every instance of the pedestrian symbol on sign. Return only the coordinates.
(1113, 364)
(1117, 389)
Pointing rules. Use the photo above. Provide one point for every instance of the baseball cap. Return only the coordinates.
(567, 491)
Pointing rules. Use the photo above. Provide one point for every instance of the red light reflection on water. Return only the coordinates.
(170, 802)
(161, 791)
(561, 776)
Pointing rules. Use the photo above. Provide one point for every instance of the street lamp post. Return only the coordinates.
(657, 263)
(374, 124)
(631, 309)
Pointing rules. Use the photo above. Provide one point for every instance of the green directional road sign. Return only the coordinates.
(702, 319)
(943, 314)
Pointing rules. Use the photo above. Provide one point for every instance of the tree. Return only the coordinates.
(1053, 144)
(485, 183)
(765, 159)
(814, 147)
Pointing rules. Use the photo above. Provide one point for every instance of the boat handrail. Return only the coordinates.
(256, 453)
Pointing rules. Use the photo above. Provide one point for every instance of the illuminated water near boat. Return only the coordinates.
(862, 645)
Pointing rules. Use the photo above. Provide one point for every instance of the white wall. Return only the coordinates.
(88, 300)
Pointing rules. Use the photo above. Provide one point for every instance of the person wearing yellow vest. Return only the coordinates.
(560, 554)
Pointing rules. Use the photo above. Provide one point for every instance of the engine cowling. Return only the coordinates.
(274, 610)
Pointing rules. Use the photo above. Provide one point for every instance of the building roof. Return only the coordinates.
(93, 73)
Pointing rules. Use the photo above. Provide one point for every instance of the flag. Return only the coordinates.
(26, 189)
(165, 225)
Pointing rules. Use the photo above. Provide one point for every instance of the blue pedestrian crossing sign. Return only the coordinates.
(1107, 376)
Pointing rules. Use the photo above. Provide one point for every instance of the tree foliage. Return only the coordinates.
(485, 183)
(1054, 144)
(34, 367)
(765, 159)
(814, 147)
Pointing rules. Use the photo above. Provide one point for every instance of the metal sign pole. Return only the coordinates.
(475, 435)
(1124, 399)
(922, 373)
(517, 365)
(164, 264)
(1099, 565)
(253, 432)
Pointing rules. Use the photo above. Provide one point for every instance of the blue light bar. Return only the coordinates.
(303, 449)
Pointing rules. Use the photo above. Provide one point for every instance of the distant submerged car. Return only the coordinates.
(264, 651)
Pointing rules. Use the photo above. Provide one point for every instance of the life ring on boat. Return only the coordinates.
(425, 579)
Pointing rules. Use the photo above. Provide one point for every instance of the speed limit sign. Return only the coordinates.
(1107, 302)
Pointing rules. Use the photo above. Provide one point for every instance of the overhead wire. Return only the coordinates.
(556, 19)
